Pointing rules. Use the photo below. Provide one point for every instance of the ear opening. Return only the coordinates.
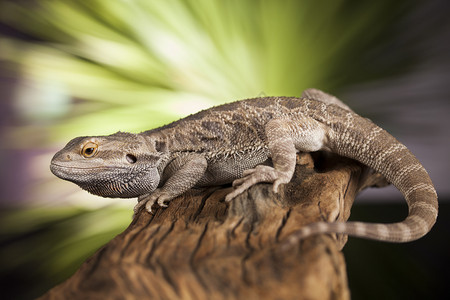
(152, 159)
(160, 146)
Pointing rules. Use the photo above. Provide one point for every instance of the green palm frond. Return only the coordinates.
(151, 56)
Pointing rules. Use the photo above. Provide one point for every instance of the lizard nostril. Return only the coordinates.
(68, 157)
(131, 158)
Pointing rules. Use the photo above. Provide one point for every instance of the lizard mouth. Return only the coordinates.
(61, 170)
(55, 165)
(77, 173)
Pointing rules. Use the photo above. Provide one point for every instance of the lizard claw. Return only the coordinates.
(138, 206)
(277, 183)
(149, 203)
(146, 201)
(253, 176)
(150, 199)
(162, 201)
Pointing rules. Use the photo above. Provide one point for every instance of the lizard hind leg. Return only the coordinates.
(284, 137)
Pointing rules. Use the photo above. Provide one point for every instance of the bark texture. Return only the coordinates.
(203, 248)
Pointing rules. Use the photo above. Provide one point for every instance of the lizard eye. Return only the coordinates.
(89, 150)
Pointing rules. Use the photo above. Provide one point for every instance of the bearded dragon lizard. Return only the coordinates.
(247, 142)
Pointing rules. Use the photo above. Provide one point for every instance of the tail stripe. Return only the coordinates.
(360, 229)
(409, 169)
(392, 149)
(382, 231)
(425, 206)
(420, 222)
(420, 186)
(405, 230)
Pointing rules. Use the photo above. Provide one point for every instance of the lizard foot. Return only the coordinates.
(149, 199)
(253, 176)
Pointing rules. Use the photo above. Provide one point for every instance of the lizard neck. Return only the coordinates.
(159, 143)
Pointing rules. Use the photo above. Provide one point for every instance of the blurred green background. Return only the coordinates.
(71, 68)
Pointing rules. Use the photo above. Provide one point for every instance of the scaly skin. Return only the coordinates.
(247, 142)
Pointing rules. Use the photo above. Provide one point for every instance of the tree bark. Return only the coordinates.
(203, 248)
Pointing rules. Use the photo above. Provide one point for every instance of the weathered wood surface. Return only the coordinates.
(203, 248)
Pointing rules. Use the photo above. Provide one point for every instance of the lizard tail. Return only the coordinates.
(423, 210)
(386, 155)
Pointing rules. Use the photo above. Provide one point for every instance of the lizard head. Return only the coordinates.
(121, 165)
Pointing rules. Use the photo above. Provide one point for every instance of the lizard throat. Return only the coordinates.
(118, 182)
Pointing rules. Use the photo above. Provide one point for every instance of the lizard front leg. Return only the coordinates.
(284, 138)
(182, 174)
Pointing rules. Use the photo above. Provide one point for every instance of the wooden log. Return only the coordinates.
(203, 248)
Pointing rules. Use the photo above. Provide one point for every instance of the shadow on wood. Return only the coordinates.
(203, 248)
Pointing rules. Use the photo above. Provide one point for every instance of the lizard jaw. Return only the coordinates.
(109, 182)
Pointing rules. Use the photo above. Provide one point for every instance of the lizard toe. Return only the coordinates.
(234, 194)
(278, 181)
(149, 204)
(162, 201)
(248, 172)
(241, 181)
(229, 197)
